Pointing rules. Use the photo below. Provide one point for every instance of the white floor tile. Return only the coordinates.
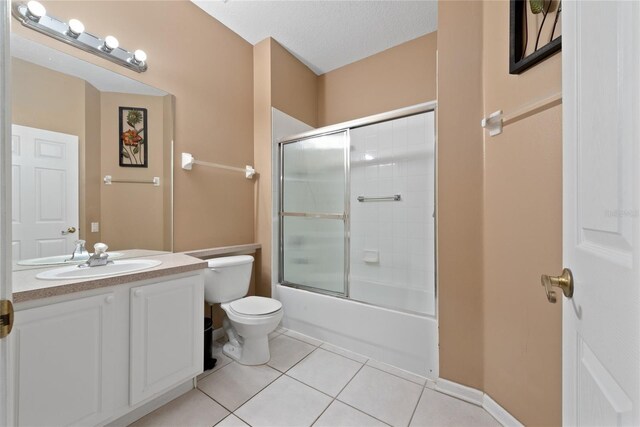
(285, 402)
(232, 421)
(397, 372)
(286, 352)
(325, 371)
(343, 352)
(302, 337)
(234, 384)
(382, 395)
(437, 409)
(340, 415)
(192, 409)
(221, 362)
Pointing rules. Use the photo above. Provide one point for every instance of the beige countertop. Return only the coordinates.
(26, 287)
(127, 254)
(225, 250)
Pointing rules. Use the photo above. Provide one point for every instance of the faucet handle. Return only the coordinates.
(100, 248)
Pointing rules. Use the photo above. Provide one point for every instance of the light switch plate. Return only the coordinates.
(95, 227)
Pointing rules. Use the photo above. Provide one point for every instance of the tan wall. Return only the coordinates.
(46, 99)
(169, 106)
(262, 160)
(460, 192)
(294, 87)
(210, 74)
(522, 233)
(398, 77)
(132, 214)
(90, 162)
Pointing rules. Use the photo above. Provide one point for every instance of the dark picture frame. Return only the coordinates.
(518, 63)
(133, 137)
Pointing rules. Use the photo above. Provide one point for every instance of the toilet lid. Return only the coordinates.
(255, 306)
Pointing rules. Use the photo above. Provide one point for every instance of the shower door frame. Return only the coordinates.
(344, 216)
(335, 129)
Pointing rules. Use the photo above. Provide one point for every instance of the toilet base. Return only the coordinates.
(252, 351)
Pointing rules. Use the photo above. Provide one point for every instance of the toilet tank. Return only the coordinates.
(227, 278)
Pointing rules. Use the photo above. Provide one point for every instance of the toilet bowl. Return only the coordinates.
(250, 319)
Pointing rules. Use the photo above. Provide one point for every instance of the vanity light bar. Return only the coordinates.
(33, 15)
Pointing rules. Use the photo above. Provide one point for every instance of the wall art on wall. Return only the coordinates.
(133, 142)
(535, 32)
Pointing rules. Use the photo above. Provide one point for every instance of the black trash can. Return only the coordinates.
(209, 361)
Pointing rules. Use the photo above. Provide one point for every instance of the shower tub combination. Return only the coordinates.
(354, 220)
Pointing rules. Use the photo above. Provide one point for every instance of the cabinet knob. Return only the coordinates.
(137, 292)
(109, 299)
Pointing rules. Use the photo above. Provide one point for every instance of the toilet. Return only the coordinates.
(249, 319)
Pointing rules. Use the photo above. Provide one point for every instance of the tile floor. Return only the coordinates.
(308, 382)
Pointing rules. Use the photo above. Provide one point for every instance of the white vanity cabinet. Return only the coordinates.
(166, 335)
(92, 357)
(63, 374)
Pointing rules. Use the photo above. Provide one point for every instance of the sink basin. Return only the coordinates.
(118, 267)
(61, 259)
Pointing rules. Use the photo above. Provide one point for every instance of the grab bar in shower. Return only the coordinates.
(394, 198)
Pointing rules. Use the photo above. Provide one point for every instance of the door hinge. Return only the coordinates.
(6, 318)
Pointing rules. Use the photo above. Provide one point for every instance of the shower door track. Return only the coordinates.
(328, 130)
(365, 121)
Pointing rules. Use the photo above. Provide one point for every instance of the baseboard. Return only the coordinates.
(218, 333)
(460, 391)
(147, 408)
(499, 413)
(479, 398)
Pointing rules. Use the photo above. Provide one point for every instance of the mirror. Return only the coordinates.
(75, 123)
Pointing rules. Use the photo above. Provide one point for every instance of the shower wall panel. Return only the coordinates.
(392, 255)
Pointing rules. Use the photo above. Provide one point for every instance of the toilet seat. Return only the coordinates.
(255, 306)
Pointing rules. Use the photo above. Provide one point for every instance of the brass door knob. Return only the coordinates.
(564, 282)
(69, 230)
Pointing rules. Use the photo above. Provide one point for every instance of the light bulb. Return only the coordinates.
(35, 10)
(75, 28)
(139, 56)
(110, 43)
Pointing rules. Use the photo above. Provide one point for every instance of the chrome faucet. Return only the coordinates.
(98, 258)
(80, 253)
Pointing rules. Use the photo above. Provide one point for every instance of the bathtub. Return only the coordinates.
(407, 341)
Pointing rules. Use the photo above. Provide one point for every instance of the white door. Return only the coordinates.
(5, 203)
(45, 192)
(601, 155)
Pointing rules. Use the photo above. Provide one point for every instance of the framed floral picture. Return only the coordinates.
(535, 32)
(133, 138)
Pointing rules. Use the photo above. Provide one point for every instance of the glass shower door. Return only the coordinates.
(312, 213)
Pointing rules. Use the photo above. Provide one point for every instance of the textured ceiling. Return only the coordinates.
(327, 34)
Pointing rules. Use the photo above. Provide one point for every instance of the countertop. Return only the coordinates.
(224, 250)
(26, 287)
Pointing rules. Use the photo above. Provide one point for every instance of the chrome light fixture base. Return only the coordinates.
(59, 30)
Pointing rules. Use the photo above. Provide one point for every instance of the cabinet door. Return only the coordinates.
(166, 335)
(61, 365)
